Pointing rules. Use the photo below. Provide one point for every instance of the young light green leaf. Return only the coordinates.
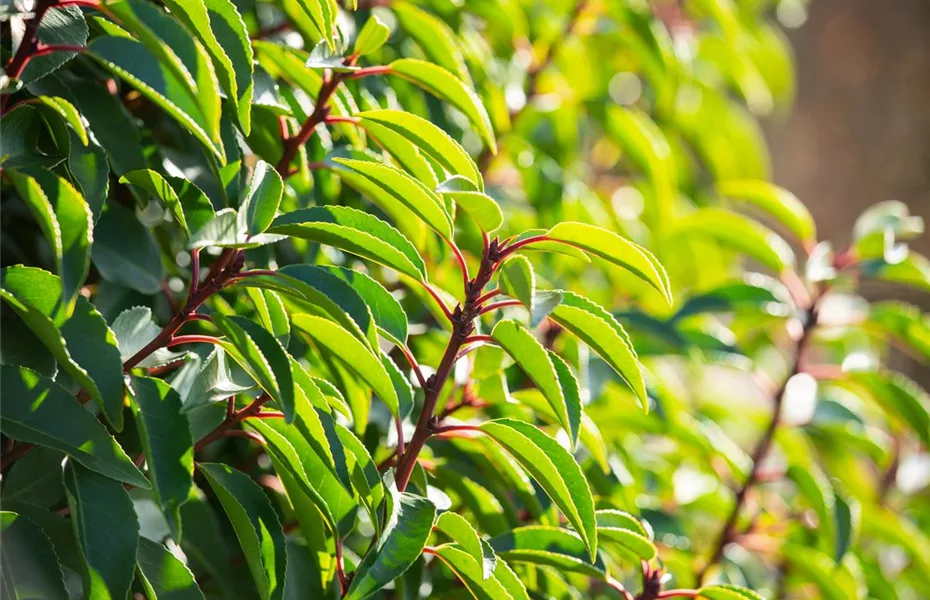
(256, 525)
(435, 37)
(571, 391)
(518, 280)
(464, 535)
(446, 86)
(554, 469)
(262, 200)
(30, 568)
(358, 358)
(404, 537)
(37, 411)
(602, 333)
(355, 232)
(402, 188)
(462, 563)
(549, 546)
(372, 36)
(220, 28)
(125, 251)
(66, 221)
(616, 250)
(134, 328)
(166, 442)
(323, 15)
(535, 362)
(775, 200)
(737, 232)
(902, 399)
(480, 207)
(107, 531)
(430, 139)
(163, 575)
(262, 356)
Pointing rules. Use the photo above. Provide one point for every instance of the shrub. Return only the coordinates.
(303, 300)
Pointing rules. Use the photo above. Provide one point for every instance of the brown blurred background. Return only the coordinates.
(859, 132)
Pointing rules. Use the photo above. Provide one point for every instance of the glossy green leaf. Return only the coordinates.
(262, 200)
(446, 86)
(61, 25)
(68, 112)
(359, 358)
(554, 469)
(220, 28)
(262, 356)
(532, 357)
(372, 36)
(166, 442)
(256, 525)
(109, 552)
(429, 138)
(190, 207)
(602, 333)
(271, 312)
(775, 200)
(464, 535)
(461, 562)
(480, 207)
(435, 37)
(164, 576)
(322, 14)
(66, 221)
(125, 251)
(37, 411)
(30, 567)
(549, 546)
(408, 527)
(406, 190)
(355, 232)
(518, 280)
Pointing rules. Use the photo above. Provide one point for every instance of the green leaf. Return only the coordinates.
(355, 232)
(166, 441)
(903, 322)
(518, 280)
(262, 200)
(482, 208)
(60, 25)
(107, 531)
(616, 250)
(429, 138)
(460, 530)
(408, 528)
(913, 271)
(37, 411)
(461, 562)
(190, 207)
(446, 86)
(726, 591)
(30, 567)
(82, 344)
(624, 533)
(387, 312)
(228, 230)
(532, 357)
(91, 173)
(256, 525)
(736, 232)
(133, 62)
(66, 221)
(322, 14)
(164, 576)
(271, 313)
(602, 333)
(262, 356)
(775, 200)
(372, 36)
(220, 28)
(360, 359)
(402, 188)
(554, 469)
(549, 546)
(571, 391)
(66, 111)
(902, 399)
(435, 37)
(134, 328)
(125, 251)
(847, 516)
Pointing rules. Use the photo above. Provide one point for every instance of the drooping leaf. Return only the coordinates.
(554, 469)
(616, 250)
(549, 546)
(358, 358)
(355, 232)
(164, 576)
(532, 357)
(155, 184)
(256, 525)
(37, 411)
(125, 251)
(66, 221)
(30, 567)
(404, 537)
(166, 442)
(446, 86)
(775, 200)
(464, 535)
(109, 552)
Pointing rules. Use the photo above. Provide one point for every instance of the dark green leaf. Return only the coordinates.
(262, 200)
(125, 251)
(163, 575)
(60, 25)
(30, 568)
(461, 531)
(550, 546)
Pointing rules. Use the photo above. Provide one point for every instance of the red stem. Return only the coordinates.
(367, 71)
(679, 593)
(479, 338)
(462, 264)
(414, 365)
(246, 434)
(482, 299)
(191, 339)
(341, 119)
(524, 242)
(232, 420)
(502, 304)
(320, 112)
(42, 50)
(438, 299)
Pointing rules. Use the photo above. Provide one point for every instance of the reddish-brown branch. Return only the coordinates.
(368, 71)
(231, 421)
(502, 304)
(438, 299)
(414, 365)
(320, 112)
(482, 299)
(341, 119)
(473, 339)
(246, 434)
(462, 264)
(522, 243)
(191, 339)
